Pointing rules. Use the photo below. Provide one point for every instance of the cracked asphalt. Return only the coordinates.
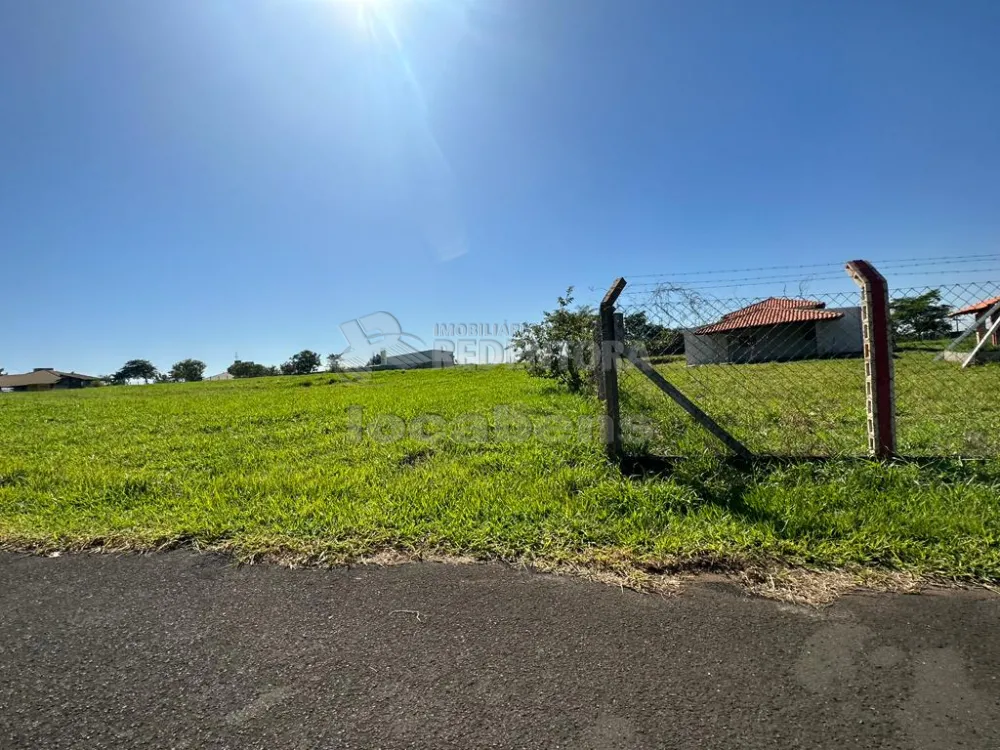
(188, 650)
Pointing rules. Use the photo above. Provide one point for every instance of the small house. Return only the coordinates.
(777, 329)
(46, 379)
(979, 309)
(431, 358)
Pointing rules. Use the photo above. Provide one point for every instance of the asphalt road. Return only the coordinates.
(185, 650)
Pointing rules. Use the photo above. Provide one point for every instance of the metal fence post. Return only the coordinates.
(879, 381)
(611, 347)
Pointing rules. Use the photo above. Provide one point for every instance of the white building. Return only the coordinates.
(777, 329)
(431, 358)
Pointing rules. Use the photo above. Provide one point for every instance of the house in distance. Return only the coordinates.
(777, 329)
(987, 326)
(46, 379)
(431, 358)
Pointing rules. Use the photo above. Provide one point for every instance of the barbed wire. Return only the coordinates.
(765, 281)
(886, 263)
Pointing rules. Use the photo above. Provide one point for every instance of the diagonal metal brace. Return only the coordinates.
(687, 405)
(982, 342)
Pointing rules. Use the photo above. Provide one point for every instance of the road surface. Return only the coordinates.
(189, 651)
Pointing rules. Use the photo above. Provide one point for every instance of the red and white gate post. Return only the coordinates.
(879, 382)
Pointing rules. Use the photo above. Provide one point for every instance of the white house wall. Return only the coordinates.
(705, 350)
(418, 360)
(841, 336)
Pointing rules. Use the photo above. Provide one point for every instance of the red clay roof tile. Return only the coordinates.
(770, 312)
(976, 307)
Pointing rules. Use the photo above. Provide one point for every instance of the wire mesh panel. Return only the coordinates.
(783, 374)
(947, 368)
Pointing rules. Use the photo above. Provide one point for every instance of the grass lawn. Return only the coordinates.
(278, 465)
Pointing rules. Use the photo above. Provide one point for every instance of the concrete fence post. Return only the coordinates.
(597, 358)
(879, 380)
(611, 349)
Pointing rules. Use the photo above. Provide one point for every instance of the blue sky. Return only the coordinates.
(204, 177)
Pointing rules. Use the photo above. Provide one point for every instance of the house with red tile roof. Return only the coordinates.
(776, 329)
(978, 309)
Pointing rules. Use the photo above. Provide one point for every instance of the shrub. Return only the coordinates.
(561, 346)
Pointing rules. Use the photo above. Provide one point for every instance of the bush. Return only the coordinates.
(240, 369)
(561, 346)
(188, 371)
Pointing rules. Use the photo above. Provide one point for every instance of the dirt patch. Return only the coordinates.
(799, 586)
(415, 458)
(819, 588)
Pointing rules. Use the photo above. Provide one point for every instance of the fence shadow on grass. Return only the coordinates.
(651, 465)
(730, 478)
(727, 486)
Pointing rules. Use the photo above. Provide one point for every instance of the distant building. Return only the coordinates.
(46, 379)
(429, 359)
(777, 329)
(981, 308)
(221, 376)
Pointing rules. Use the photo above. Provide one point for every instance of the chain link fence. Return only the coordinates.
(785, 374)
(947, 377)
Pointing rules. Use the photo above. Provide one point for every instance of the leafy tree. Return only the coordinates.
(920, 317)
(188, 370)
(135, 369)
(333, 362)
(241, 369)
(305, 362)
(374, 361)
(2, 371)
(561, 346)
(287, 368)
(658, 340)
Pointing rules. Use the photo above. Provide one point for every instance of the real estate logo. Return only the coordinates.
(375, 339)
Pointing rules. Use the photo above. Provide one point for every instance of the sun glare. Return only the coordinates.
(383, 26)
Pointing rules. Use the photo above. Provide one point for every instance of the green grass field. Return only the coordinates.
(506, 467)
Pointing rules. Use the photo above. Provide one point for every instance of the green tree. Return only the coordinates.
(303, 363)
(135, 369)
(188, 370)
(920, 317)
(561, 346)
(656, 339)
(333, 362)
(241, 369)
